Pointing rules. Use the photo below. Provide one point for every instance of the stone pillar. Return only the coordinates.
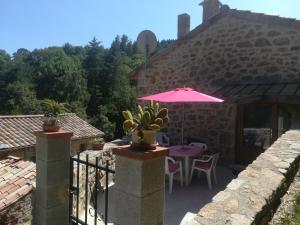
(52, 178)
(138, 193)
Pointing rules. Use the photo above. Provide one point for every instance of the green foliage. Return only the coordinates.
(148, 118)
(79, 108)
(53, 108)
(58, 76)
(4, 59)
(21, 99)
(94, 81)
(293, 219)
(102, 121)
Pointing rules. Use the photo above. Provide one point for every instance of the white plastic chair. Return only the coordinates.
(172, 167)
(208, 165)
(162, 139)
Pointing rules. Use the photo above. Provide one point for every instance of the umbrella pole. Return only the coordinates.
(182, 125)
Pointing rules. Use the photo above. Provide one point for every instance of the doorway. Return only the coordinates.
(259, 125)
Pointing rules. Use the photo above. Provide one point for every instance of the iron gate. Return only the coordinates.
(91, 174)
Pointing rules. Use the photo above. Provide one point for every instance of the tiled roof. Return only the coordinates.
(271, 20)
(17, 131)
(17, 178)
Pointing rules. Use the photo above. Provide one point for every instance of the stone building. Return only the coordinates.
(251, 60)
(17, 138)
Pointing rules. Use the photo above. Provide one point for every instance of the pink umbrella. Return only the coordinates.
(181, 95)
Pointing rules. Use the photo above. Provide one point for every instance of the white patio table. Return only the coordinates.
(186, 152)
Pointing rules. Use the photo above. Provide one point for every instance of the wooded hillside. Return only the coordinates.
(93, 80)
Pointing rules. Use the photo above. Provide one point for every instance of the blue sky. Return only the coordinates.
(40, 23)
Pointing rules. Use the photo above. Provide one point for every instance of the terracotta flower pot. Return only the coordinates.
(98, 146)
(51, 128)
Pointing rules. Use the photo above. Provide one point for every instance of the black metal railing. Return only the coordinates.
(91, 188)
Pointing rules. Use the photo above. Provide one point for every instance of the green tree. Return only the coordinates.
(58, 76)
(109, 84)
(71, 50)
(21, 99)
(9, 72)
(115, 45)
(97, 70)
(4, 60)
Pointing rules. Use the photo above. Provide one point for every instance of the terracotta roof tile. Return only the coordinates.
(3, 195)
(7, 188)
(24, 190)
(29, 175)
(24, 182)
(17, 180)
(17, 131)
(11, 199)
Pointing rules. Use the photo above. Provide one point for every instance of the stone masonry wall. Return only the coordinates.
(255, 194)
(230, 49)
(19, 213)
(79, 145)
(23, 153)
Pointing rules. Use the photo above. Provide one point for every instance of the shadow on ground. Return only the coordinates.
(192, 198)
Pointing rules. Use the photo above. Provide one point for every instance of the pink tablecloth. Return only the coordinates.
(186, 150)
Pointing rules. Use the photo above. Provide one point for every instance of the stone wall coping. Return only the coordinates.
(255, 194)
(126, 151)
(50, 135)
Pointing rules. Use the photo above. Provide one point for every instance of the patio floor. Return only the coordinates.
(192, 198)
(183, 199)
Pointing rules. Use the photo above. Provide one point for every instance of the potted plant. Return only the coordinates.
(145, 125)
(97, 143)
(52, 113)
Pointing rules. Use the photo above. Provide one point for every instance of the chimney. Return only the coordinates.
(210, 9)
(183, 25)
